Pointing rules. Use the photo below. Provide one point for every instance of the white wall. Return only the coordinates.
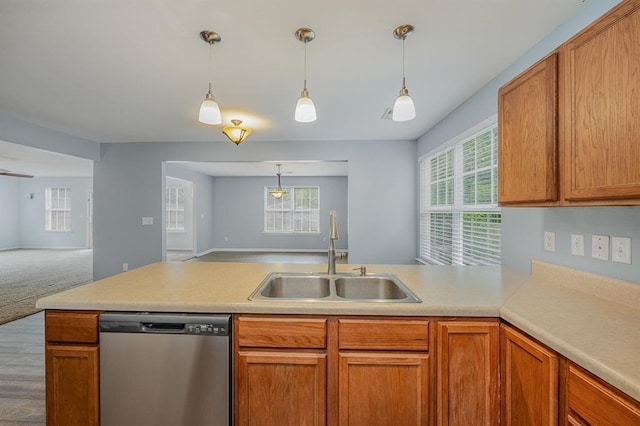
(9, 212)
(128, 184)
(239, 213)
(523, 228)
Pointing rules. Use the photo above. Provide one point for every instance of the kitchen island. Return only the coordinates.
(590, 320)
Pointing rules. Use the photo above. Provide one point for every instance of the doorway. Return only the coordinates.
(180, 219)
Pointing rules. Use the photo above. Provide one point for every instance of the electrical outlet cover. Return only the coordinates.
(600, 247)
(550, 241)
(577, 245)
(621, 250)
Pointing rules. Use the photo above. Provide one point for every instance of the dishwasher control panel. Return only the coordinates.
(212, 329)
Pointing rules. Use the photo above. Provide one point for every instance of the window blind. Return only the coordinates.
(58, 209)
(174, 201)
(298, 211)
(460, 221)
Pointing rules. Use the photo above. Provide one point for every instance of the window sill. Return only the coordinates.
(292, 233)
(59, 231)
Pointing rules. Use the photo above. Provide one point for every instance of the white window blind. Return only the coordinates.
(460, 221)
(175, 208)
(298, 211)
(58, 209)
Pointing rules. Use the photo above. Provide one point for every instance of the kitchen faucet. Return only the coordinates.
(333, 236)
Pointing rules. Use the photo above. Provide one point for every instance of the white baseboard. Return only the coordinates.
(10, 248)
(50, 248)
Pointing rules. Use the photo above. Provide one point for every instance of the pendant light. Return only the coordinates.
(305, 109)
(209, 110)
(403, 108)
(235, 133)
(278, 193)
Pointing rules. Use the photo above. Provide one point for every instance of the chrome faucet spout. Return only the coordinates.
(333, 236)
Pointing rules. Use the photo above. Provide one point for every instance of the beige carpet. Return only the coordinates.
(26, 275)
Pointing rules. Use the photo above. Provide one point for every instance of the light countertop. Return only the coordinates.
(592, 320)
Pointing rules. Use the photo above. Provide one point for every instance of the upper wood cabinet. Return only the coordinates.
(568, 127)
(601, 108)
(527, 135)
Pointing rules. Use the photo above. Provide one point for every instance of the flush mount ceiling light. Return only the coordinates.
(278, 193)
(305, 109)
(403, 108)
(235, 133)
(209, 110)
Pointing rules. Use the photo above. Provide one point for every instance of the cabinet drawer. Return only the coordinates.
(71, 326)
(596, 403)
(310, 333)
(408, 335)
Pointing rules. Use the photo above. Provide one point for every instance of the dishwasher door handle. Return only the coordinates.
(162, 327)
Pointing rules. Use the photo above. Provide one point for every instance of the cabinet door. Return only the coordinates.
(281, 388)
(527, 136)
(72, 385)
(467, 373)
(601, 129)
(591, 402)
(529, 379)
(383, 389)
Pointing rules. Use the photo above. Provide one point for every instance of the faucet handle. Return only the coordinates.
(362, 269)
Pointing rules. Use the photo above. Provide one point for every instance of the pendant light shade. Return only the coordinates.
(279, 192)
(209, 109)
(235, 133)
(305, 109)
(403, 108)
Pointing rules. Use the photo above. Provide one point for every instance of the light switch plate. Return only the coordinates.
(147, 221)
(600, 247)
(621, 250)
(550, 241)
(577, 244)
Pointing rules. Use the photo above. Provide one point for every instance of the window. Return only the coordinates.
(58, 209)
(175, 208)
(298, 211)
(460, 221)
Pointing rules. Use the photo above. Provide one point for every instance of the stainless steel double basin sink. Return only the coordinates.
(281, 286)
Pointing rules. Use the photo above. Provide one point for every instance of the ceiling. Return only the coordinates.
(125, 71)
(40, 163)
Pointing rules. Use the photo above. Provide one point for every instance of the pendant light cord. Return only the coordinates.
(210, 73)
(403, 75)
(305, 65)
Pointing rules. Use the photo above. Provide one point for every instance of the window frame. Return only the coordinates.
(292, 210)
(170, 208)
(49, 210)
(457, 208)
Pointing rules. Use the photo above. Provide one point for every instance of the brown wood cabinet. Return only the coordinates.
(467, 373)
(568, 126)
(72, 368)
(280, 371)
(529, 380)
(383, 372)
(601, 128)
(527, 135)
(590, 401)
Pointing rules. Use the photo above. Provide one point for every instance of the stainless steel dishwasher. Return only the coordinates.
(165, 369)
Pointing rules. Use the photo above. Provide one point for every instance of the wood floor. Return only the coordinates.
(269, 257)
(22, 400)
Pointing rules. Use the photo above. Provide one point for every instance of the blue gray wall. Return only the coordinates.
(128, 185)
(23, 223)
(523, 228)
(203, 204)
(239, 213)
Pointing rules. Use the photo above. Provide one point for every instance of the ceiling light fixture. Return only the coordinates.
(278, 193)
(235, 133)
(403, 108)
(305, 109)
(209, 110)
